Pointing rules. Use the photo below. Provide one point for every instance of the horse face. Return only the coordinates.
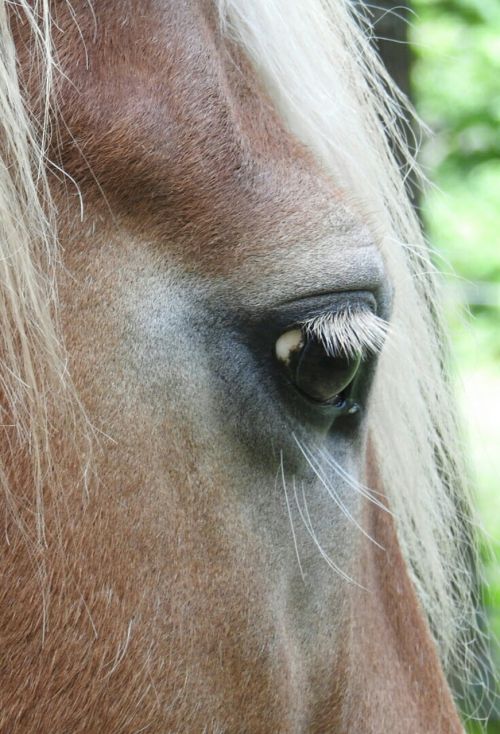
(216, 556)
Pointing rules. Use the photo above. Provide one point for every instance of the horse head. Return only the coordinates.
(227, 494)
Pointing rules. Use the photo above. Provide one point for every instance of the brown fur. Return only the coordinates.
(162, 609)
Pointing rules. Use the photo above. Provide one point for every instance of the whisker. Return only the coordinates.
(282, 471)
(330, 490)
(306, 519)
(362, 489)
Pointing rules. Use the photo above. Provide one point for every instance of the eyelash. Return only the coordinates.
(351, 332)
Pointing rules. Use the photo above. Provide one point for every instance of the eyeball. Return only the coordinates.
(316, 373)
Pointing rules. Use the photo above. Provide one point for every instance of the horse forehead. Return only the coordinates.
(172, 123)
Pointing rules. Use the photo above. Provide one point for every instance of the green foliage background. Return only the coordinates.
(456, 88)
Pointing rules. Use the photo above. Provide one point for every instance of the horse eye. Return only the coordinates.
(318, 374)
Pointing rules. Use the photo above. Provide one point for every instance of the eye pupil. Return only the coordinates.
(315, 372)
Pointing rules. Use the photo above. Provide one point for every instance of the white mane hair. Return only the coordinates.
(37, 399)
(335, 95)
(319, 66)
(31, 356)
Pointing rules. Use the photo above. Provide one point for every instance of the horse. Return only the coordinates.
(232, 481)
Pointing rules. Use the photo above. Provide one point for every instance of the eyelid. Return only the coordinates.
(304, 310)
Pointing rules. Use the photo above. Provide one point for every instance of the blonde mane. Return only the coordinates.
(335, 95)
(37, 400)
(32, 362)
